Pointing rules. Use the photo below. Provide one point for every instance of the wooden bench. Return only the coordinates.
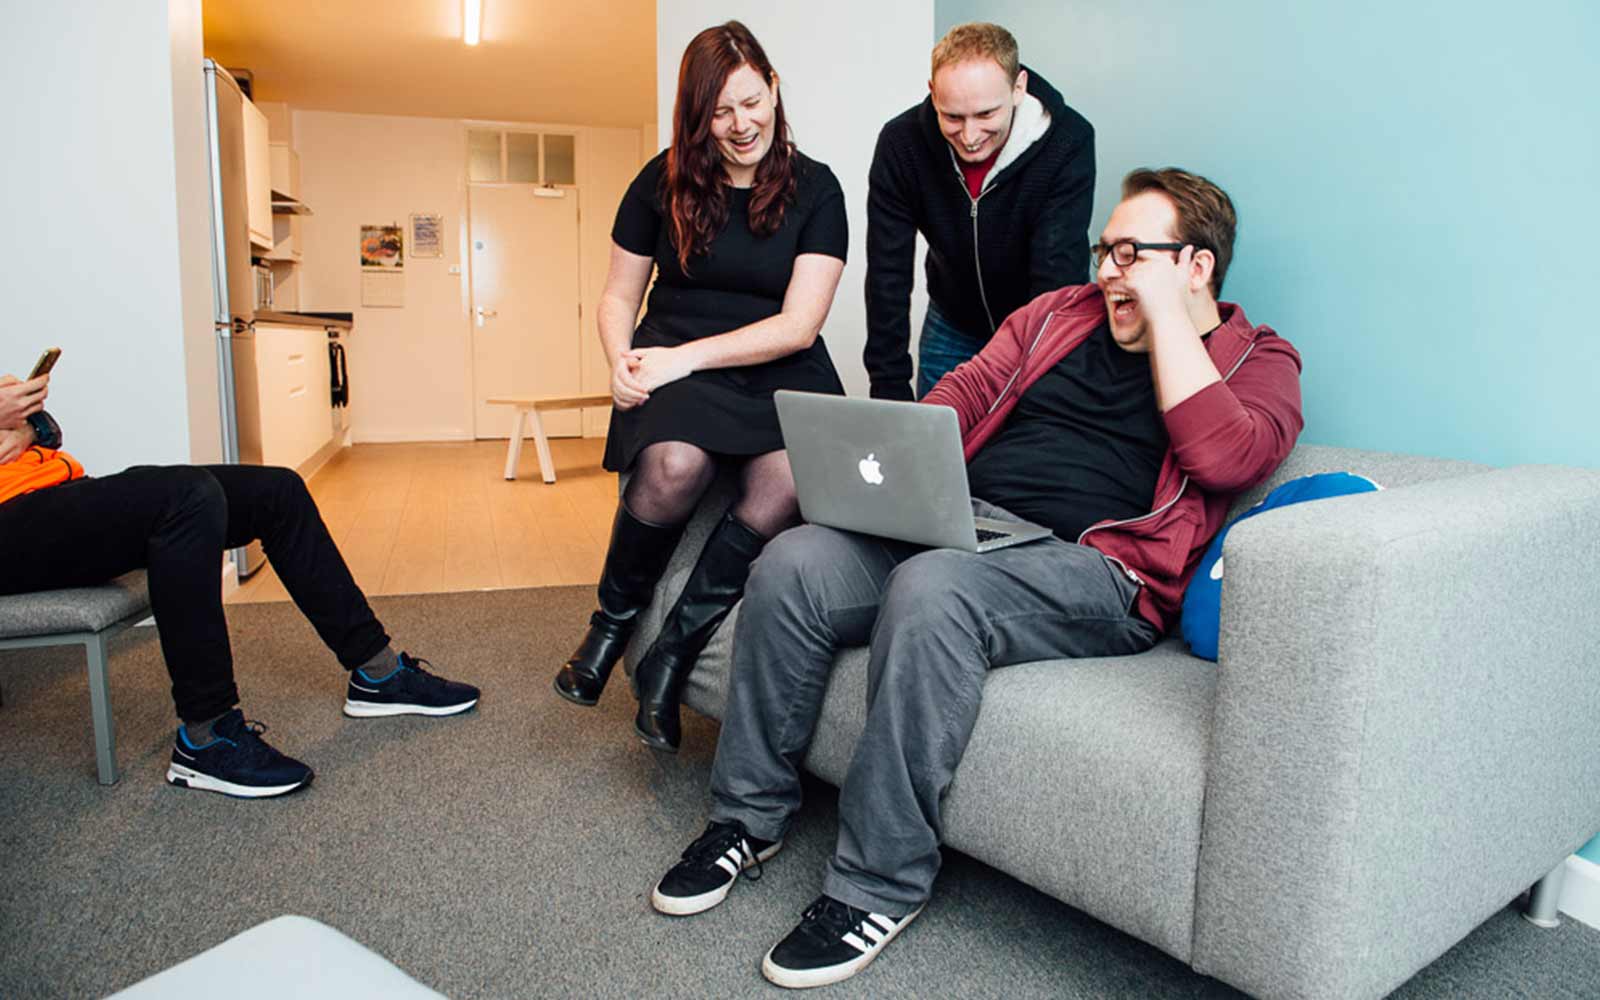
(527, 410)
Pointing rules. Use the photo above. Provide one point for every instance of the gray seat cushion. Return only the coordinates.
(76, 609)
(1084, 778)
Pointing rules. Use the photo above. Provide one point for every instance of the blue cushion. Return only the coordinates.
(1202, 602)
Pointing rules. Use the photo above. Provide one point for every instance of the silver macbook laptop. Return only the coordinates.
(887, 468)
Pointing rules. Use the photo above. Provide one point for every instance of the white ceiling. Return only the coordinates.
(580, 63)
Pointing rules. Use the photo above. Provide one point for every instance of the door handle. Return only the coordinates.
(484, 314)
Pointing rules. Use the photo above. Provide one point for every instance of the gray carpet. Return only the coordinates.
(506, 853)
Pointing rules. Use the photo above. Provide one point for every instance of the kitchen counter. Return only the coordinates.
(344, 321)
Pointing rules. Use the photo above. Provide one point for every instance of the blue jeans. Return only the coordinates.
(941, 348)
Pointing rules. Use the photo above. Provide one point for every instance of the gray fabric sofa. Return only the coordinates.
(1398, 740)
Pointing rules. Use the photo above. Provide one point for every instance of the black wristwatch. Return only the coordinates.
(46, 432)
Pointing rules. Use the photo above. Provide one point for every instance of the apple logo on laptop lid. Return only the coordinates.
(871, 471)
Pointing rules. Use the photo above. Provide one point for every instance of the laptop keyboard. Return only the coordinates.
(985, 535)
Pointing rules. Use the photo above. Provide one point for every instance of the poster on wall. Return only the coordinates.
(427, 236)
(383, 247)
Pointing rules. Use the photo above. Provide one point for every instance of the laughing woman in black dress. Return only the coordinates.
(747, 238)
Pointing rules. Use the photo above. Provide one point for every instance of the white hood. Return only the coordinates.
(1032, 121)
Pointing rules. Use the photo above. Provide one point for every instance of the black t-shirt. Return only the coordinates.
(742, 278)
(1084, 443)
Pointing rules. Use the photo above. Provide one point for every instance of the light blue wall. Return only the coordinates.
(1417, 191)
(1591, 851)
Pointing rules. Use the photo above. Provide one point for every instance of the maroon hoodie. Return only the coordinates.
(1224, 439)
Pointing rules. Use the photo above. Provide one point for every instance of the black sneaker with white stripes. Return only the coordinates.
(709, 868)
(832, 943)
(405, 690)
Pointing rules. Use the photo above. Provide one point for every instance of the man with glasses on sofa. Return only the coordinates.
(1124, 416)
(61, 528)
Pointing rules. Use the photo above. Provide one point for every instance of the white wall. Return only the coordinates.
(846, 69)
(192, 165)
(105, 251)
(411, 368)
(609, 160)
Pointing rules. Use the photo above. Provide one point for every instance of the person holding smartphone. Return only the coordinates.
(21, 402)
(62, 528)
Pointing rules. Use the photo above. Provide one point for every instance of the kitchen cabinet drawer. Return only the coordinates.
(288, 345)
(292, 379)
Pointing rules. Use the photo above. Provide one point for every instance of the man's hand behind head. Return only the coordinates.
(20, 400)
(1164, 286)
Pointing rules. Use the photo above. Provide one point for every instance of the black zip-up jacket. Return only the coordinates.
(1024, 235)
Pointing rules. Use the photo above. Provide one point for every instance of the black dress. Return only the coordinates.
(740, 280)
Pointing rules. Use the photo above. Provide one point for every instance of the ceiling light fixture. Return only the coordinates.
(471, 21)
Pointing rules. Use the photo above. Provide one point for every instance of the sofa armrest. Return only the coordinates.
(1404, 738)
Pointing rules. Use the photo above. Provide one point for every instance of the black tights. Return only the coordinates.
(669, 478)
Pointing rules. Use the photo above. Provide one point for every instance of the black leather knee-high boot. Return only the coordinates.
(711, 591)
(637, 557)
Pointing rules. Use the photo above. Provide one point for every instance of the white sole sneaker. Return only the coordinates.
(800, 979)
(185, 777)
(686, 906)
(376, 710)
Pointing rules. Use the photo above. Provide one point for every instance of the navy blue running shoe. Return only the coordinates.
(406, 690)
(236, 762)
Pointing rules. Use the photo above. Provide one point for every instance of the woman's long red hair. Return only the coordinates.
(694, 186)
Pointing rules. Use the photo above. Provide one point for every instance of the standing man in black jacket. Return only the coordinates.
(997, 173)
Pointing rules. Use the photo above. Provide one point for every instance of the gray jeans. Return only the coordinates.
(937, 621)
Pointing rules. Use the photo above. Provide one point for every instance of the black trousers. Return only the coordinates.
(175, 522)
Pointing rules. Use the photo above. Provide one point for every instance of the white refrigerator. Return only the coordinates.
(232, 276)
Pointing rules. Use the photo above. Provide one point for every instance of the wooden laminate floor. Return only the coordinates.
(435, 517)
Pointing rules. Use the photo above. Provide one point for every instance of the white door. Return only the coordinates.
(525, 323)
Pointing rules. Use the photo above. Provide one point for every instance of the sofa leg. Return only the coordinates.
(1544, 897)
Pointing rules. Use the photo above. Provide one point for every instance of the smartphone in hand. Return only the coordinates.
(46, 361)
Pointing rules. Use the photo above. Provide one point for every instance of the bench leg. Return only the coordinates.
(105, 733)
(514, 446)
(547, 465)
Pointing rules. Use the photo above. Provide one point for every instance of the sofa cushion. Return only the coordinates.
(76, 609)
(1084, 778)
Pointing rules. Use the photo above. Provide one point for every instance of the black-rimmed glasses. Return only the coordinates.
(1125, 252)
